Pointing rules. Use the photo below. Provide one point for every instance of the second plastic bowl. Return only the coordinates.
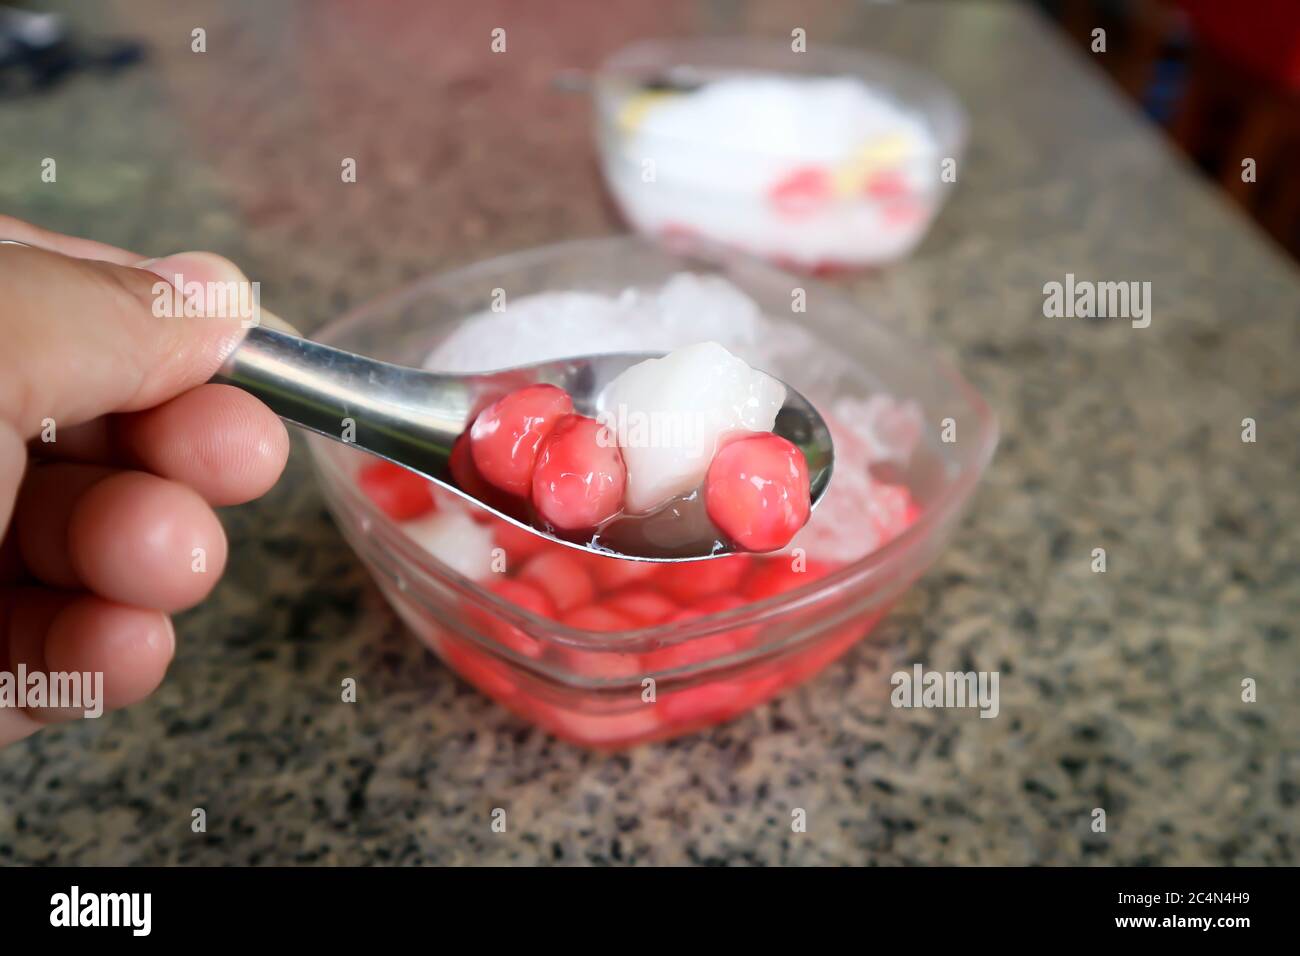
(756, 171)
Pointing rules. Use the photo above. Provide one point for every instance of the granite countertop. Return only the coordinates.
(1119, 690)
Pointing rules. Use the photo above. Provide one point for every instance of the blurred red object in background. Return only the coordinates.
(1261, 35)
(1223, 78)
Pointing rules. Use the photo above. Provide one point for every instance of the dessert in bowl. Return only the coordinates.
(607, 652)
(818, 161)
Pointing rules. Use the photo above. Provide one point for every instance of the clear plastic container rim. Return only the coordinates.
(644, 58)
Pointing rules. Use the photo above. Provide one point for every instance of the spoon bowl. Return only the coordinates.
(412, 416)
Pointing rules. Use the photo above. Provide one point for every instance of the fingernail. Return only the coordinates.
(149, 264)
(170, 637)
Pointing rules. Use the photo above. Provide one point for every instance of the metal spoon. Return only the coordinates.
(412, 416)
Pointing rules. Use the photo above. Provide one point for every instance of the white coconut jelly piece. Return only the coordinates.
(455, 539)
(668, 415)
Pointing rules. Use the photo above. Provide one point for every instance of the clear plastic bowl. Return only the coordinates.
(870, 207)
(614, 689)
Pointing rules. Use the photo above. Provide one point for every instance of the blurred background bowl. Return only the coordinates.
(870, 206)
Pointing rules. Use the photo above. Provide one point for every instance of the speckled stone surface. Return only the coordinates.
(1119, 690)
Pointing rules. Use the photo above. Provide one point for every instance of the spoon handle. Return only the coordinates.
(407, 415)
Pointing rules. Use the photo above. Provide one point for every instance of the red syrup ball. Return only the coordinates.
(561, 574)
(467, 478)
(580, 476)
(398, 492)
(506, 436)
(756, 492)
(801, 193)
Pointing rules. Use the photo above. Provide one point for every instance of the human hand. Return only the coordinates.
(109, 527)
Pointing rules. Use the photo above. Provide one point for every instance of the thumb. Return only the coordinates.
(86, 338)
(214, 283)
